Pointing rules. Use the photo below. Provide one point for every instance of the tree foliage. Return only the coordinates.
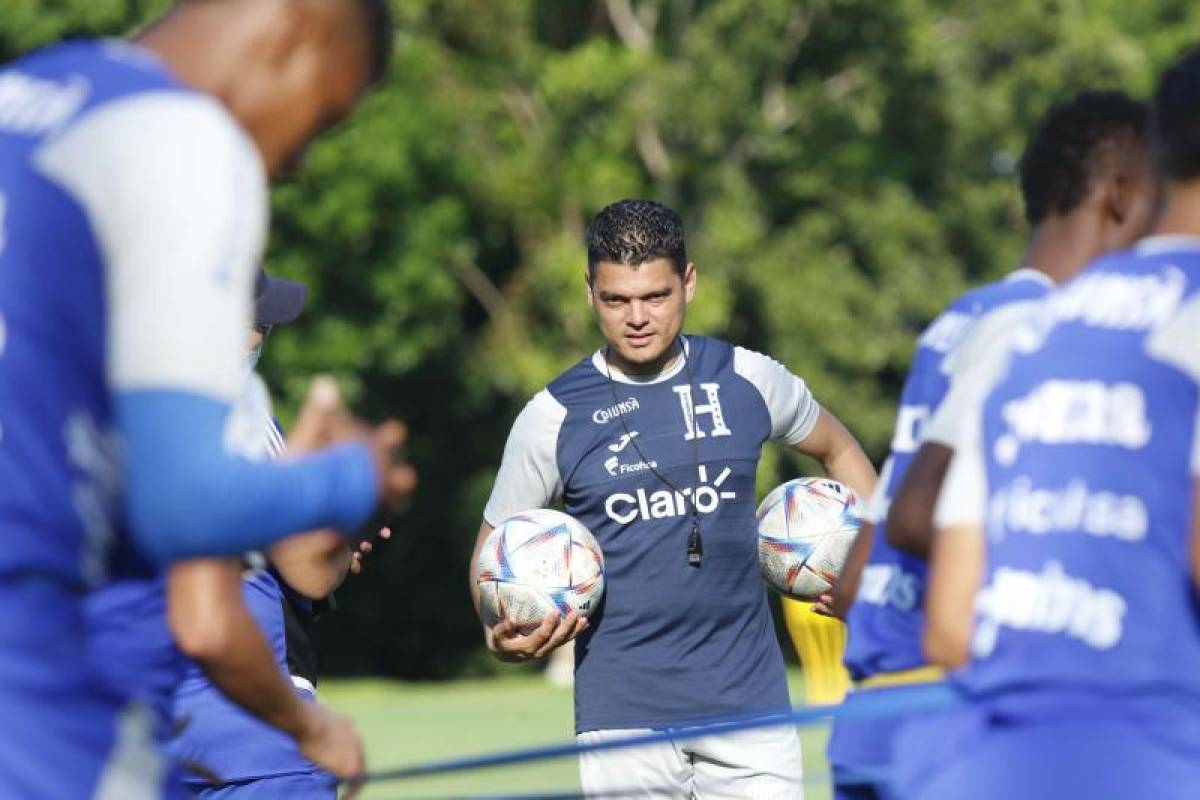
(844, 168)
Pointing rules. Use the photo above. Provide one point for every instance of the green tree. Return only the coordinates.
(844, 168)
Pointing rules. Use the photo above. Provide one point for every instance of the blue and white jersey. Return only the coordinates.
(884, 623)
(109, 168)
(671, 642)
(213, 731)
(1081, 465)
(129, 642)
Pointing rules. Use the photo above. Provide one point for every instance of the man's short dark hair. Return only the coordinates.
(1076, 143)
(1176, 120)
(632, 232)
(377, 21)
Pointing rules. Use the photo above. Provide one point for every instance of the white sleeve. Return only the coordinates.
(974, 367)
(529, 476)
(177, 198)
(1178, 344)
(792, 407)
(964, 494)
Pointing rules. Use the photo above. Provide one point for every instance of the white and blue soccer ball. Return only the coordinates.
(536, 562)
(805, 529)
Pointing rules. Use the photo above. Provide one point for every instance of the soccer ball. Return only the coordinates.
(805, 529)
(536, 562)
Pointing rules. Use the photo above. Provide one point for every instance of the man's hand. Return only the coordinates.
(364, 548)
(324, 421)
(331, 741)
(397, 479)
(826, 607)
(508, 645)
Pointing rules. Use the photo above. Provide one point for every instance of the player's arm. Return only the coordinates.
(843, 459)
(528, 478)
(211, 625)
(1196, 528)
(957, 558)
(837, 603)
(180, 244)
(799, 421)
(840, 454)
(314, 563)
(910, 516)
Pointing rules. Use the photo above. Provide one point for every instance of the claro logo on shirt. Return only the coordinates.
(1061, 412)
(624, 508)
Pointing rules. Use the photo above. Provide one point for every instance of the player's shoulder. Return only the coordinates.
(1021, 284)
(123, 114)
(575, 383)
(47, 92)
(959, 319)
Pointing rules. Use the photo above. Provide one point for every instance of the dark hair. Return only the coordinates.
(633, 232)
(1176, 119)
(377, 21)
(1076, 143)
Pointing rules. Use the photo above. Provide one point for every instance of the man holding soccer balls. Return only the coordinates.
(652, 443)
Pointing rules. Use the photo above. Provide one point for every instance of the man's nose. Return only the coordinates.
(637, 314)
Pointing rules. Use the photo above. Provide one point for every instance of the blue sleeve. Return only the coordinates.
(185, 496)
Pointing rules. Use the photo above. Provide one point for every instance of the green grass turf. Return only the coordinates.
(408, 723)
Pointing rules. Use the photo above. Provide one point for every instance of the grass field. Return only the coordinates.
(407, 723)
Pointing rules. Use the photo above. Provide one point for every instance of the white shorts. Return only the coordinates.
(761, 764)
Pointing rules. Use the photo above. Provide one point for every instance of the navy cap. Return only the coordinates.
(276, 300)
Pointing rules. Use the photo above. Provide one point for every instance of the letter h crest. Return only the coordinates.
(712, 407)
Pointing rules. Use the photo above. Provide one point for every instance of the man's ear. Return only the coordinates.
(587, 281)
(689, 282)
(1118, 198)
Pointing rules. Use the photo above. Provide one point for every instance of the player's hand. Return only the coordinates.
(324, 421)
(826, 607)
(508, 645)
(364, 548)
(331, 741)
(397, 479)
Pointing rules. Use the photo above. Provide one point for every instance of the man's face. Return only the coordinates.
(327, 98)
(312, 68)
(641, 309)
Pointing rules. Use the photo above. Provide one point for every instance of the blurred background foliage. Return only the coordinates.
(843, 167)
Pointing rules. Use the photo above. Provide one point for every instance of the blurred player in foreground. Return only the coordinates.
(1087, 188)
(653, 443)
(134, 186)
(278, 595)
(1069, 523)
(141, 627)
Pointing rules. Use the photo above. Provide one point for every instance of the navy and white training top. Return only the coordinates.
(884, 623)
(1081, 465)
(671, 643)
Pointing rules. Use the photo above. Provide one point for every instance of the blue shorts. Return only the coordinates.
(965, 754)
(62, 733)
(860, 748)
(297, 786)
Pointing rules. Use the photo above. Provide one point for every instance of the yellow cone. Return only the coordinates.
(820, 643)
